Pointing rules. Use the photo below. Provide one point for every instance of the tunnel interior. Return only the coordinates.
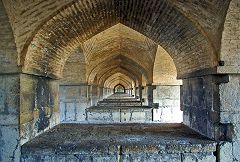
(119, 80)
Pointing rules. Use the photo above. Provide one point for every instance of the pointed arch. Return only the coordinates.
(119, 85)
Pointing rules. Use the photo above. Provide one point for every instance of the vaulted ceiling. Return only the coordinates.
(48, 32)
(119, 47)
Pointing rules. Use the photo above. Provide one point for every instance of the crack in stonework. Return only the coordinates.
(14, 151)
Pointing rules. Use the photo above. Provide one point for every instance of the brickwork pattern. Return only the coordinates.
(187, 45)
(8, 51)
(164, 72)
(230, 114)
(27, 17)
(230, 47)
(104, 77)
(74, 71)
(119, 62)
(118, 78)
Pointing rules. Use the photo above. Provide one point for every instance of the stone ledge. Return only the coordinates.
(107, 138)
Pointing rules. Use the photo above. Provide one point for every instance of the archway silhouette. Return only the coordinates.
(119, 89)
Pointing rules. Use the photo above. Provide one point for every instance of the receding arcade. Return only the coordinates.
(64, 63)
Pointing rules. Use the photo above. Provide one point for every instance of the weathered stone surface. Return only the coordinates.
(230, 43)
(229, 94)
(200, 40)
(10, 143)
(168, 99)
(73, 102)
(144, 142)
(77, 76)
(229, 107)
(8, 50)
(119, 108)
(192, 18)
(119, 114)
(39, 105)
(9, 99)
(75, 99)
(225, 152)
(200, 157)
(200, 104)
(235, 149)
(9, 118)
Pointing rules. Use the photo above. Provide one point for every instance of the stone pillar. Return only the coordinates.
(9, 92)
(140, 92)
(127, 91)
(101, 93)
(134, 91)
(9, 118)
(104, 92)
(39, 106)
(130, 92)
(89, 95)
(28, 107)
(73, 102)
(230, 119)
(200, 103)
(93, 94)
(167, 98)
(149, 95)
(107, 92)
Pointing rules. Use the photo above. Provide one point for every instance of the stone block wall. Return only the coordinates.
(28, 107)
(75, 99)
(168, 100)
(200, 104)
(128, 153)
(144, 95)
(93, 94)
(185, 157)
(119, 115)
(107, 92)
(39, 105)
(230, 116)
(9, 118)
(73, 102)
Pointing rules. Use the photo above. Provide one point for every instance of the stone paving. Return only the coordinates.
(109, 141)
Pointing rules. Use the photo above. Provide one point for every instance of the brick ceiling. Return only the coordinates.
(47, 32)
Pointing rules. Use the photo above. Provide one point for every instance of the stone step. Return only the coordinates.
(119, 142)
(119, 108)
(116, 108)
(108, 114)
(119, 103)
(119, 99)
(120, 96)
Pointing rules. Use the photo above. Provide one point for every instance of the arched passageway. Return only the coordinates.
(174, 53)
(119, 89)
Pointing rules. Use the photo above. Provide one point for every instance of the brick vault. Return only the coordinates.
(119, 80)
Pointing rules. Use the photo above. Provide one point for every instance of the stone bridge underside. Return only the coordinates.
(58, 58)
